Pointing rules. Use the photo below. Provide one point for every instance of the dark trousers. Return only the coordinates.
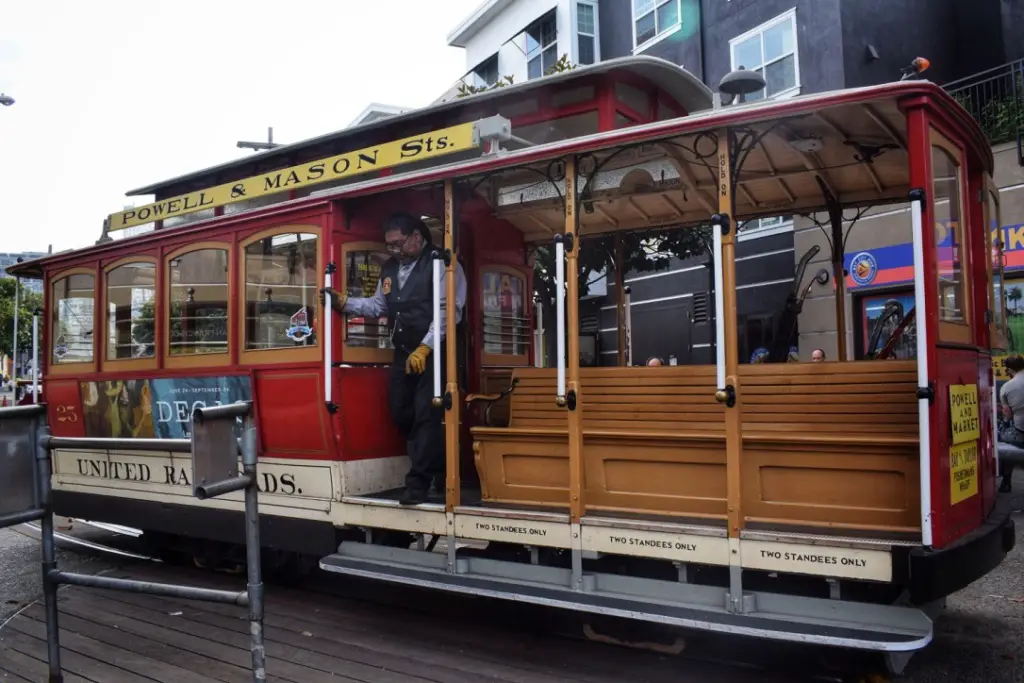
(410, 397)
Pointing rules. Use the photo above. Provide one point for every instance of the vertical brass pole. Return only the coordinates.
(733, 444)
(452, 421)
(572, 333)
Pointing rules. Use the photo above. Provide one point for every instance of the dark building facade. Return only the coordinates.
(801, 47)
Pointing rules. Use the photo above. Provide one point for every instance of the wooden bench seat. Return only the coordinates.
(831, 444)
(654, 440)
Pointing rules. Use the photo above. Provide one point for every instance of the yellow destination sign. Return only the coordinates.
(963, 472)
(999, 373)
(386, 155)
(964, 413)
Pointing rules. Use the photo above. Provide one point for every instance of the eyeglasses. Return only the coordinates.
(396, 247)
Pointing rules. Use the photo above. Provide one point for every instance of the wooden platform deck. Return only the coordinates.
(317, 634)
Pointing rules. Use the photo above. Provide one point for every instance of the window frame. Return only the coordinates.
(76, 367)
(998, 339)
(658, 35)
(760, 30)
(507, 359)
(553, 15)
(132, 363)
(950, 331)
(280, 355)
(200, 359)
(480, 81)
(359, 354)
(595, 36)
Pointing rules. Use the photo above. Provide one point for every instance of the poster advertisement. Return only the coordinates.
(504, 314)
(155, 408)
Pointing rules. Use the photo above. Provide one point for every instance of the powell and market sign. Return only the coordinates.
(437, 143)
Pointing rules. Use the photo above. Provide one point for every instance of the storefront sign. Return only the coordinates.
(963, 412)
(155, 408)
(386, 155)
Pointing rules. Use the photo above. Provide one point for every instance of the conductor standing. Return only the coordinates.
(405, 295)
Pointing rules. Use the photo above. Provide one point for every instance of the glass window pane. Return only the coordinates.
(505, 326)
(199, 302)
(362, 271)
(748, 53)
(781, 75)
(668, 15)
(641, 6)
(586, 55)
(585, 18)
(73, 300)
(281, 291)
(550, 57)
(131, 311)
(947, 224)
(779, 40)
(534, 69)
(997, 261)
(645, 29)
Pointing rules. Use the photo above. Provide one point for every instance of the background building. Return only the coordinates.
(972, 47)
(9, 259)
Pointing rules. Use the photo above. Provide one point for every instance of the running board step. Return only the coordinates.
(773, 616)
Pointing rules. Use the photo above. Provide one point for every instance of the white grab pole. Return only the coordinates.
(35, 358)
(924, 425)
(328, 319)
(437, 328)
(719, 308)
(14, 344)
(538, 336)
(628, 322)
(560, 315)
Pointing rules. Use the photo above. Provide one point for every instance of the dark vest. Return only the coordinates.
(411, 308)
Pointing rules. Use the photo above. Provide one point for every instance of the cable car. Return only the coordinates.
(833, 502)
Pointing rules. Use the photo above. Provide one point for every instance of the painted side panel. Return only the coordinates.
(953, 517)
(290, 412)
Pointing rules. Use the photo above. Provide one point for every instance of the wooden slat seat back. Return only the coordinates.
(831, 444)
(654, 440)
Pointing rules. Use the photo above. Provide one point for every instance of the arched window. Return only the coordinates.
(281, 274)
(72, 319)
(949, 218)
(131, 311)
(198, 293)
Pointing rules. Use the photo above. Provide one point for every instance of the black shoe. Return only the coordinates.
(413, 496)
(1005, 486)
(437, 490)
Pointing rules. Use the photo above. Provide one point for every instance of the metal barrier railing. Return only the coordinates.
(26, 496)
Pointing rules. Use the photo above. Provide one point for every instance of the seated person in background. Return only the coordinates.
(817, 356)
(654, 362)
(1011, 402)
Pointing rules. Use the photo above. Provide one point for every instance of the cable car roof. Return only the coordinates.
(878, 105)
(676, 82)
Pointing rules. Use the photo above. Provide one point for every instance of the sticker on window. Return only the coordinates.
(300, 329)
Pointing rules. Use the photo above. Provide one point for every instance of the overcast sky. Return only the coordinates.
(116, 94)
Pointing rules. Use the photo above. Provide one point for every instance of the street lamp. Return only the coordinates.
(6, 100)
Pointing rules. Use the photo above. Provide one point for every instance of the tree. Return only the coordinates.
(29, 302)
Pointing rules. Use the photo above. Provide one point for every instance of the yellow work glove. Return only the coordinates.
(417, 361)
(337, 299)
